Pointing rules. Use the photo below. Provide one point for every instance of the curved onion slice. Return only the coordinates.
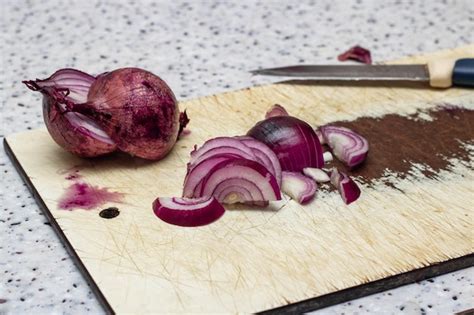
(347, 145)
(265, 154)
(212, 145)
(241, 146)
(299, 187)
(347, 188)
(188, 212)
(294, 142)
(197, 173)
(317, 174)
(225, 149)
(276, 110)
(239, 181)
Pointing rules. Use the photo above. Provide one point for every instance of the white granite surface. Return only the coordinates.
(199, 48)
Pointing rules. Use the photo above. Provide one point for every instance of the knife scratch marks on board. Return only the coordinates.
(239, 277)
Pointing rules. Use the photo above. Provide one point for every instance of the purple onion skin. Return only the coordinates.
(294, 142)
(69, 137)
(136, 109)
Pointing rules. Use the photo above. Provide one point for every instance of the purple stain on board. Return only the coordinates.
(83, 196)
(73, 175)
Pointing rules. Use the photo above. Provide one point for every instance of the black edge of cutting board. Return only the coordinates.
(294, 308)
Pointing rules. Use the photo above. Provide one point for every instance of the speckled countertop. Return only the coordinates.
(199, 48)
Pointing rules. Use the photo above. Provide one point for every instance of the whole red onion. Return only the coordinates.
(136, 109)
(130, 109)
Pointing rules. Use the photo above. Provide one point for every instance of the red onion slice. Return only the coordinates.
(298, 187)
(347, 145)
(347, 188)
(219, 151)
(241, 174)
(197, 173)
(356, 53)
(265, 155)
(188, 212)
(234, 192)
(218, 142)
(276, 110)
(316, 174)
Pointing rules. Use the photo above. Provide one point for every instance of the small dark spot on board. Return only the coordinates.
(3, 301)
(454, 297)
(109, 213)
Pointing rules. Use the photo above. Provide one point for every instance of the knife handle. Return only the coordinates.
(448, 72)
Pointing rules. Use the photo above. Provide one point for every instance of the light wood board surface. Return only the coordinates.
(253, 260)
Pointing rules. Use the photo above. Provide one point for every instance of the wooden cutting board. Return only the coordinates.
(413, 220)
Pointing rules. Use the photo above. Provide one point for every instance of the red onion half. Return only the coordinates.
(299, 187)
(347, 188)
(188, 212)
(294, 142)
(74, 132)
(347, 145)
(136, 109)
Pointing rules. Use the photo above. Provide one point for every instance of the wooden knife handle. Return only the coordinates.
(448, 72)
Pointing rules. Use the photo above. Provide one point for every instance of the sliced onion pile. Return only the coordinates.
(234, 170)
(228, 170)
(280, 152)
(347, 145)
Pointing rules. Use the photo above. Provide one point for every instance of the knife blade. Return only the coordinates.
(351, 72)
(439, 73)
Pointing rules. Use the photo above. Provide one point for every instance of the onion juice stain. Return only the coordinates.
(84, 196)
(398, 142)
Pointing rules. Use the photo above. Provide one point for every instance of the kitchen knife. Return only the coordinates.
(440, 73)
